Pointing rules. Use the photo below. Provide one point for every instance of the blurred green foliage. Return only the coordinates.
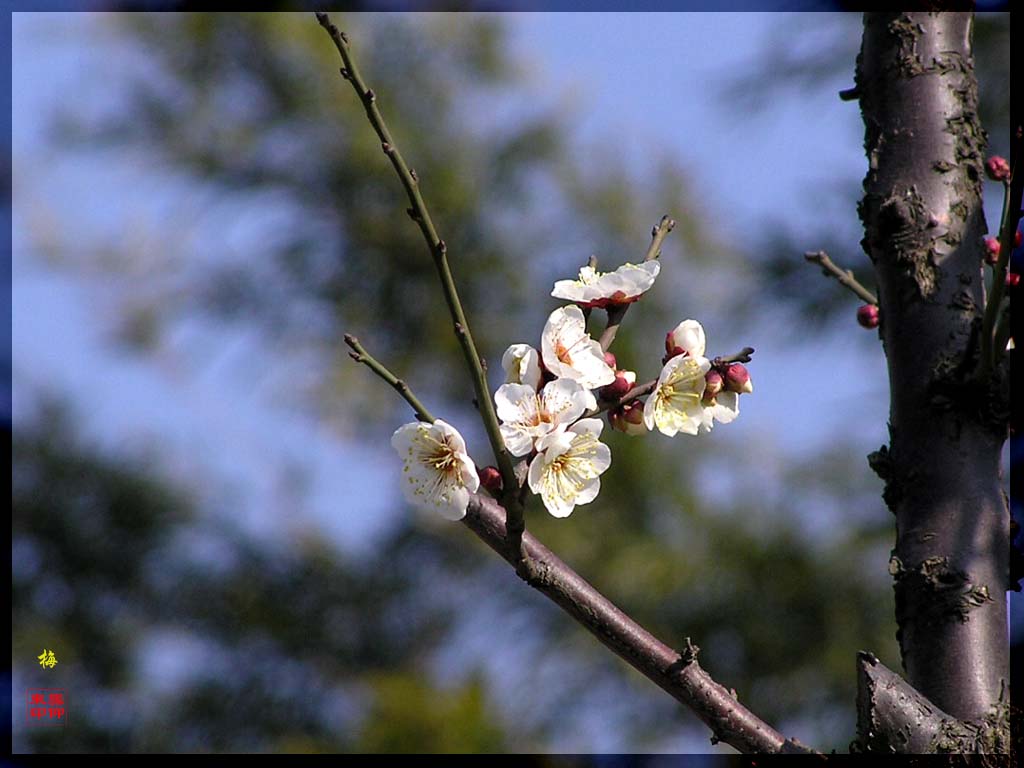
(429, 643)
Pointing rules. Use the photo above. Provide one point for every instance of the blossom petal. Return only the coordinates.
(689, 336)
(521, 363)
(569, 352)
(565, 400)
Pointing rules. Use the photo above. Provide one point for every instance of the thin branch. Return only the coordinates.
(617, 311)
(677, 672)
(743, 356)
(360, 355)
(1007, 228)
(846, 278)
(421, 215)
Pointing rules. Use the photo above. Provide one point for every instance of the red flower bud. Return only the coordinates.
(737, 379)
(1012, 279)
(991, 250)
(490, 478)
(867, 315)
(1017, 239)
(714, 383)
(609, 360)
(629, 418)
(624, 381)
(997, 168)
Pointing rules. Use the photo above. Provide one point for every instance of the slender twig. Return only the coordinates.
(421, 215)
(617, 311)
(637, 391)
(743, 356)
(845, 277)
(677, 672)
(1007, 228)
(360, 355)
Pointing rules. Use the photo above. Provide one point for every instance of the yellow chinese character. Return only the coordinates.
(47, 659)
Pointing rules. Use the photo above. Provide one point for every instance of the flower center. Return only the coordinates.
(562, 353)
(442, 459)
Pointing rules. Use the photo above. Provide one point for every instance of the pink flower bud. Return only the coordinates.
(629, 418)
(991, 250)
(867, 315)
(609, 360)
(997, 168)
(737, 379)
(624, 381)
(490, 478)
(1012, 279)
(714, 383)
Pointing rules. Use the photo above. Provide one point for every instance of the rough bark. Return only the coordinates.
(924, 224)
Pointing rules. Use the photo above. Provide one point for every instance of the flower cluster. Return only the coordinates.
(692, 392)
(552, 395)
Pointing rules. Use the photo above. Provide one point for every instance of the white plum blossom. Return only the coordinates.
(676, 403)
(687, 338)
(438, 474)
(528, 415)
(600, 289)
(724, 407)
(522, 365)
(570, 353)
(567, 470)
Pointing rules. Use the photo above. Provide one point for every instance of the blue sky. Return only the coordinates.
(649, 79)
(652, 80)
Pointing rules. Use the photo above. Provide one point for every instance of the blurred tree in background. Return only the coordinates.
(304, 648)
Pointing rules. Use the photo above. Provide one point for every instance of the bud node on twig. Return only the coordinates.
(370, 95)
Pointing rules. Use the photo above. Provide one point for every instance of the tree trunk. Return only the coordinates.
(924, 224)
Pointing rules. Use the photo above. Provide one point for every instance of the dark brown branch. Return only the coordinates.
(923, 222)
(677, 672)
(893, 716)
(845, 277)
(617, 311)
(743, 356)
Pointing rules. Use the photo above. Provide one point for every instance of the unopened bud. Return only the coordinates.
(624, 381)
(714, 383)
(629, 418)
(867, 315)
(997, 168)
(991, 250)
(490, 478)
(737, 379)
(1017, 238)
(1012, 279)
(687, 338)
(609, 360)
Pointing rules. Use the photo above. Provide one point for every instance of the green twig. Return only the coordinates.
(617, 311)
(419, 213)
(360, 355)
(845, 277)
